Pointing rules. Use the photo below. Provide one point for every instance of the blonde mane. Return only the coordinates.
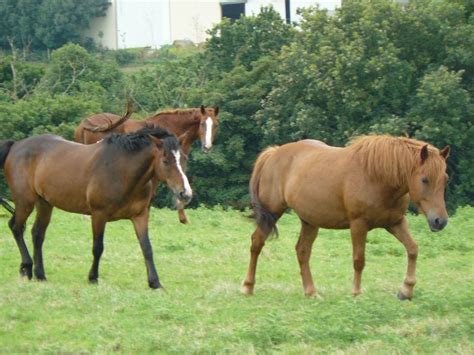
(392, 160)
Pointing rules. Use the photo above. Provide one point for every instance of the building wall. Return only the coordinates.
(329, 5)
(103, 29)
(252, 7)
(143, 23)
(154, 23)
(191, 18)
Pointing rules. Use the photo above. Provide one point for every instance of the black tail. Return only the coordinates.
(5, 147)
(264, 218)
(7, 206)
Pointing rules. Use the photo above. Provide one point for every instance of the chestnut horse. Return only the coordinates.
(111, 180)
(363, 186)
(188, 124)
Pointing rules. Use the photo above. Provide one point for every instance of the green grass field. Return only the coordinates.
(201, 310)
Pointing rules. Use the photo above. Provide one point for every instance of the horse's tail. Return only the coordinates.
(115, 124)
(5, 147)
(265, 219)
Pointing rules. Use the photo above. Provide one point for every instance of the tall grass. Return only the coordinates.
(202, 265)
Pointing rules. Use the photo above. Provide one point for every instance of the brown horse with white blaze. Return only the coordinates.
(189, 125)
(111, 180)
(363, 186)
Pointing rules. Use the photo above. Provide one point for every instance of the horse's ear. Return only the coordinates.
(216, 110)
(445, 152)
(203, 110)
(424, 153)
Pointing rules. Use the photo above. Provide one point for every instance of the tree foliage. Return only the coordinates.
(372, 67)
(46, 23)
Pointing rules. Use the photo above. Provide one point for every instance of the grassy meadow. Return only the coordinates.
(201, 310)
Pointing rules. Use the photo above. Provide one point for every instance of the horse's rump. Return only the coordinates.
(101, 122)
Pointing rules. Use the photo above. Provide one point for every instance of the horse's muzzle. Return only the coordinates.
(436, 224)
(184, 197)
(206, 149)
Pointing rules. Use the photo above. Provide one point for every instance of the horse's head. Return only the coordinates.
(208, 127)
(427, 185)
(169, 168)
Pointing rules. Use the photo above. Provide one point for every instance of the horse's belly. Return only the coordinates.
(70, 204)
(322, 217)
(319, 202)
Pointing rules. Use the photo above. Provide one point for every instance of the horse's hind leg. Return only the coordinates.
(17, 226)
(140, 223)
(43, 216)
(98, 228)
(401, 232)
(303, 251)
(258, 241)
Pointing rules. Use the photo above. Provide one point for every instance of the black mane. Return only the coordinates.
(136, 141)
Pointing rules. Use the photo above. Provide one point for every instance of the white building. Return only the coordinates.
(153, 23)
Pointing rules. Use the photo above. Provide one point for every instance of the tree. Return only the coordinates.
(247, 39)
(61, 21)
(17, 24)
(443, 114)
(46, 23)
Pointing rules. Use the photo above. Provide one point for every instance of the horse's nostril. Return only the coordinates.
(437, 221)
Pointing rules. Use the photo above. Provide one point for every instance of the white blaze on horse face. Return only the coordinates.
(187, 188)
(209, 124)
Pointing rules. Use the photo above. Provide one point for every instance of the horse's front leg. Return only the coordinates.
(359, 237)
(182, 216)
(98, 228)
(401, 232)
(303, 252)
(140, 223)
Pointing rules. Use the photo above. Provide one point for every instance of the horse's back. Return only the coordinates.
(307, 176)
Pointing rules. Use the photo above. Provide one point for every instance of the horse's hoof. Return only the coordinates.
(313, 295)
(184, 221)
(402, 297)
(26, 271)
(155, 284)
(41, 278)
(246, 290)
(93, 281)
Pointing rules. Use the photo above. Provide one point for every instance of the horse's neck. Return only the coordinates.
(179, 125)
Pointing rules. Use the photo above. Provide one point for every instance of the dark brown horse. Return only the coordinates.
(364, 186)
(111, 180)
(189, 124)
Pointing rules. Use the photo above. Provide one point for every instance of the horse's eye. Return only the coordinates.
(425, 180)
(167, 162)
